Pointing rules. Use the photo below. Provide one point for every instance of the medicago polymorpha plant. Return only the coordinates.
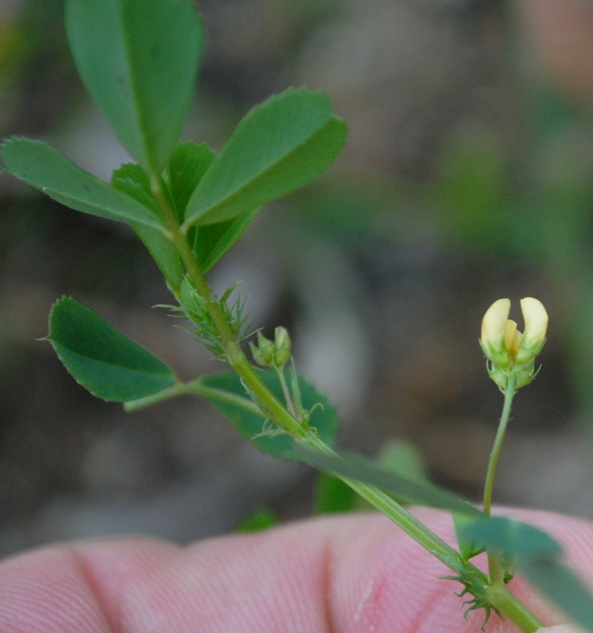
(189, 206)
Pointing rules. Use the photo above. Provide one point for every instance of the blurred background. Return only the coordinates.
(467, 177)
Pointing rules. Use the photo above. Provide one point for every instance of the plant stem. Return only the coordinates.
(401, 517)
(494, 560)
(194, 387)
(285, 391)
(500, 598)
(504, 602)
(234, 353)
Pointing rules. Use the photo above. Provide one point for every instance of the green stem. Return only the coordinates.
(194, 388)
(285, 391)
(498, 597)
(234, 353)
(494, 561)
(501, 598)
(504, 602)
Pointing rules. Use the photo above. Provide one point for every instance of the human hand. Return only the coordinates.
(355, 573)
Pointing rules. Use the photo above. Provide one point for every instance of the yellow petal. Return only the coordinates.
(536, 319)
(494, 323)
(512, 337)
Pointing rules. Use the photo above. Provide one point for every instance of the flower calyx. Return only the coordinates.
(509, 351)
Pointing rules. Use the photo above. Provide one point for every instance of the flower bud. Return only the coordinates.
(282, 347)
(508, 350)
(263, 352)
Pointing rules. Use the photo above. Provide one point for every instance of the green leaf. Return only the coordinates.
(250, 424)
(468, 548)
(44, 168)
(537, 556)
(332, 495)
(185, 170)
(132, 180)
(164, 254)
(139, 60)
(402, 458)
(212, 241)
(516, 539)
(402, 489)
(280, 145)
(563, 588)
(100, 358)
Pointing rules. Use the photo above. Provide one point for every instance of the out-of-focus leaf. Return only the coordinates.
(468, 548)
(139, 60)
(280, 145)
(538, 557)
(563, 587)
(44, 168)
(401, 489)
(102, 359)
(333, 495)
(516, 539)
(402, 458)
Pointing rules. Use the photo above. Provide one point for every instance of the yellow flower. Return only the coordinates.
(508, 350)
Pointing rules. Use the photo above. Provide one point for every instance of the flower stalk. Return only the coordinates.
(511, 365)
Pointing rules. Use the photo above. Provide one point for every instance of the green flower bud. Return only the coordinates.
(282, 347)
(263, 352)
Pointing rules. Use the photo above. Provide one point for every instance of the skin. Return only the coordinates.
(343, 574)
